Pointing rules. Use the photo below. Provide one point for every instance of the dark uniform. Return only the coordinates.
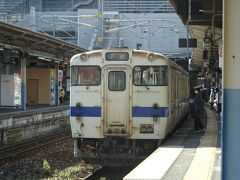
(197, 111)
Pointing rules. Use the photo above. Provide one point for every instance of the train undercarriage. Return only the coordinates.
(114, 151)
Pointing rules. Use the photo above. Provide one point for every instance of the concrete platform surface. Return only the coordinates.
(187, 155)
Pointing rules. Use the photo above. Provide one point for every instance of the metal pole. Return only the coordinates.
(100, 23)
(23, 83)
(149, 39)
(189, 19)
(231, 92)
(78, 29)
(33, 18)
(56, 85)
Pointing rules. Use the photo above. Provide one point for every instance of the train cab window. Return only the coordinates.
(117, 56)
(150, 75)
(85, 75)
(116, 81)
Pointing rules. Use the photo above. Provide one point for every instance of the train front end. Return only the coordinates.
(119, 100)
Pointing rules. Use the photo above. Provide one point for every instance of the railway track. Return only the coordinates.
(118, 173)
(15, 150)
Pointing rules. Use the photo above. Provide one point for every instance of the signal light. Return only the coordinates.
(151, 56)
(83, 57)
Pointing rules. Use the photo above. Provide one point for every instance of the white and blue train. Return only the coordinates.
(124, 102)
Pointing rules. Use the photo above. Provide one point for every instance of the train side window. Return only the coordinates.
(85, 75)
(150, 75)
(116, 80)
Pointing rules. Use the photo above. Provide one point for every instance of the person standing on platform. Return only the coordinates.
(61, 96)
(212, 97)
(218, 101)
(198, 110)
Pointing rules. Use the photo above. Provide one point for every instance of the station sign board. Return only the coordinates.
(192, 43)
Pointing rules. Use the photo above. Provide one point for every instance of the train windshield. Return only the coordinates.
(150, 75)
(85, 75)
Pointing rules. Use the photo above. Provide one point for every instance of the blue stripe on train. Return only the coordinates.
(136, 111)
(86, 111)
(149, 111)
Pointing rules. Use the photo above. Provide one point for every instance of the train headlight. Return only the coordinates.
(83, 57)
(151, 57)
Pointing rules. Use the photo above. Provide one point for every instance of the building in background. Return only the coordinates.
(94, 24)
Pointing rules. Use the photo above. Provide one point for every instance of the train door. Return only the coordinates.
(116, 100)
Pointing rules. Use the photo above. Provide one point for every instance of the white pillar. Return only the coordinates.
(231, 95)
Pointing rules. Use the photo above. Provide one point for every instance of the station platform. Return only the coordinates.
(186, 155)
(17, 125)
(6, 112)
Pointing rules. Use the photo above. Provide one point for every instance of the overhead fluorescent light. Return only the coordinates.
(44, 59)
(49, 60)
(58, 62)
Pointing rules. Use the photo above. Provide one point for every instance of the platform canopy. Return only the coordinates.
(204, 23)
(35, 43)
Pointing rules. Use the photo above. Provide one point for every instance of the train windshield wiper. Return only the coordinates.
(146, 87)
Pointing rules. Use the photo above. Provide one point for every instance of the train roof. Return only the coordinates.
(134, 51)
